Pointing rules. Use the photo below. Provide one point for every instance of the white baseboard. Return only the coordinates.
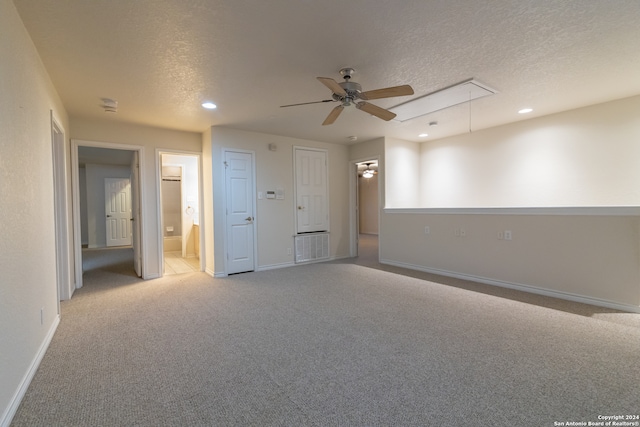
(276, 266)
(10, 411)
(517, 286)
(209, 272)
(288, 264)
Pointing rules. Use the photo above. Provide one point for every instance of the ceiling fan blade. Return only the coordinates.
(332, 85)
(307, 103)
(387, 92)
(374, 110)
(333, 115)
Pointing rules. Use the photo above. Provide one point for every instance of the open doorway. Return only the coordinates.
(367, 209)
(109, 222)
(180, 234)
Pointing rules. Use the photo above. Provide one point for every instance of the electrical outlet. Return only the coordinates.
(427, 230)
(288, 251)
(507, 235)
(463, 232)
(456, 232)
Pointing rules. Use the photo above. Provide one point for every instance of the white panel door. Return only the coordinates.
(239, 187)
(312, 205)
(118, 211)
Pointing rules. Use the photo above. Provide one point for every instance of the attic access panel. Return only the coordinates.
(439, 100)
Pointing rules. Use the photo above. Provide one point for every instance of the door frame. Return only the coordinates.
(224, 206)
(75, 180)
(354, 204)
(64, 268)
(198, 155)
(136, 206)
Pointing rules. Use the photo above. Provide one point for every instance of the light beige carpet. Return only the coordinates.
(332, 344)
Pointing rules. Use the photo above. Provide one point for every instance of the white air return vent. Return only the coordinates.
(441, 99)
(311, 247)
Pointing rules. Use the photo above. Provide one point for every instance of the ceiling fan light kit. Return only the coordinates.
(368, 172)
(349, 93)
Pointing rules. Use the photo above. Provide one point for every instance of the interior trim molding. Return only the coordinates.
(9, 413)
(520, 287)
(566, 211)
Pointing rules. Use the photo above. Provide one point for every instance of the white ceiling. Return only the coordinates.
(161, 59)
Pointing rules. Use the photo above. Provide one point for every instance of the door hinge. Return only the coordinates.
(226, 165)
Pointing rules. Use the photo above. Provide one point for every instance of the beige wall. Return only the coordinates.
(153, 140)
(275, 219)
(369, 206)
(559, 183)
(207, 202)
(27, 248)
(592, 257)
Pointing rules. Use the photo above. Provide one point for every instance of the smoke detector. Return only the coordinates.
(109, 105)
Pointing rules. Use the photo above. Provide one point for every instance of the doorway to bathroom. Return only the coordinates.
(180, 212)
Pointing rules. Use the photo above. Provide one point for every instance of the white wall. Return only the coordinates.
(151, 139)
(27, 247)
(584, 157)
(560, 184)
(402, 178)
(275, 219)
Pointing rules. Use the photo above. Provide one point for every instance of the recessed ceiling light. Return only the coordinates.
(423, 135)
(525, 111)
(209, 105)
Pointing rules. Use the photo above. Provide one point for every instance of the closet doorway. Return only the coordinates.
(180, 212)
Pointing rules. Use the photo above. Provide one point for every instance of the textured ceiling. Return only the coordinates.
(161, 58)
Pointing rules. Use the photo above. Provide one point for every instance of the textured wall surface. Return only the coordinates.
(28, 289)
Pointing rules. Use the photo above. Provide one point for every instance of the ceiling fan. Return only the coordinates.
(368, 172)
(348, 92)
